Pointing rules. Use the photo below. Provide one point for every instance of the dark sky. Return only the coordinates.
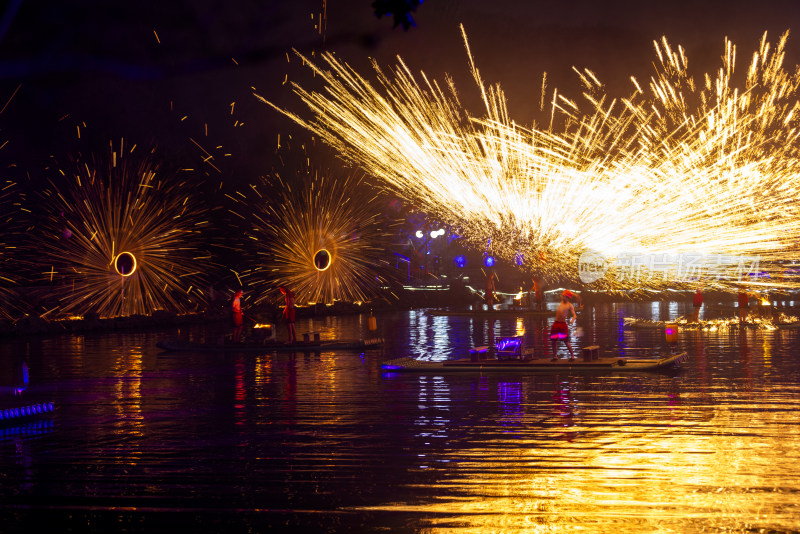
(100, 62)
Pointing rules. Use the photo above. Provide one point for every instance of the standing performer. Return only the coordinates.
(697, 303)
(744, 304)
(289, 313)
(238, 316)
(538, 292)
(560, 329)
(489, 296)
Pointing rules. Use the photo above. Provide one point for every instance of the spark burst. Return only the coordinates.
(682, 167)
(123, 239)
(323, 237)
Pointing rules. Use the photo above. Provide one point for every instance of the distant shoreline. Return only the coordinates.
(219, 316)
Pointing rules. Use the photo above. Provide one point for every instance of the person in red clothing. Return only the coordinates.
(744, 304)
(238, 316)
(289, 312)
(538, 293)
(697, 303)
(489, 295)
(560, 328)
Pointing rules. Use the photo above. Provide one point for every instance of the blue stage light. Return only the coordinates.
(488, 261)
(460, 261)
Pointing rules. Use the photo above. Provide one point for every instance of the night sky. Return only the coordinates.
(162, 73)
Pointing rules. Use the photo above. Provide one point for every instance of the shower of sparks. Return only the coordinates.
(123, 205)
(12, 241)
(290, 221)
(682, 166)
(11, 244)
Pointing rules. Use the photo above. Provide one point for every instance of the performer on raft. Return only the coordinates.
(744, 304)
(238, 316)
(489, 295)
(697, 303)
(538, 293)
(289, 313)
(560, 328)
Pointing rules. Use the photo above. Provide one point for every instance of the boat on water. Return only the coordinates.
(505, 312)
(181, 345)
(509, 354)
(540, 365)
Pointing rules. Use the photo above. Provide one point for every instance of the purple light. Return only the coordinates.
(25, 411)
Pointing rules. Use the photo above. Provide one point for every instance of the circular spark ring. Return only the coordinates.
(322, 260)
(125, 263)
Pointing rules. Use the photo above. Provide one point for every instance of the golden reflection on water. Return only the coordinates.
(649, 464)
(714, 457)
(520, 327)
(127, 364)
(767, 348)
(712, 449)
(263, 370)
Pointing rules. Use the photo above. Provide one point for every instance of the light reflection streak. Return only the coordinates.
(520, 327)
(510, 399)
(263, 373)
(239, 393)
(655, 311)
(128, 366)
(766, 345)
(434, 401)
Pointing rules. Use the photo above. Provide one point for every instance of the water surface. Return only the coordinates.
(145, 441)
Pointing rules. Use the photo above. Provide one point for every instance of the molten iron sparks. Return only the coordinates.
(124, 240)
(325, 238)
(12, 243)
(685, 167)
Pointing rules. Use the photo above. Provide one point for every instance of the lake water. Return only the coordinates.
(145, 441)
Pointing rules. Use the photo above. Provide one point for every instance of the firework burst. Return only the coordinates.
(680, 168)
(325, 238)
(122, 239)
